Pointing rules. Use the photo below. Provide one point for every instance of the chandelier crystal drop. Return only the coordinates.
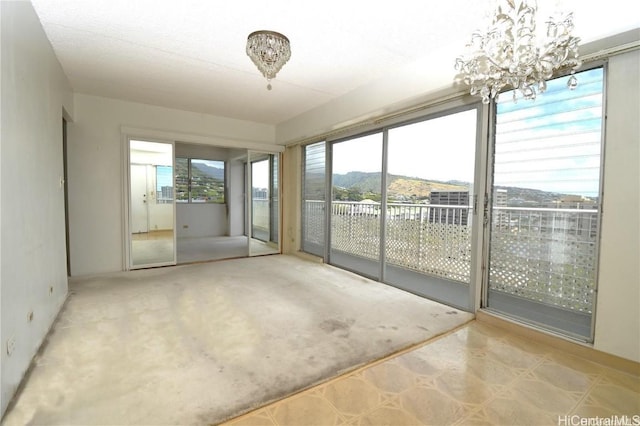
(510, 53)
(269, 50)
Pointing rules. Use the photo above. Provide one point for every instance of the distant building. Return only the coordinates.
(574, 202)
(500, 197)
(574, 223)
(260, 193)
(167, 192)
(450, 216)
(500, 217)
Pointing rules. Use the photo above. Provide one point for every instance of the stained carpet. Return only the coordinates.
(198, 344)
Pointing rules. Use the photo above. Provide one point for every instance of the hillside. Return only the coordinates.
(209, 171)
(368, 184)
(356, 186)
(401, 186)
(207, 183)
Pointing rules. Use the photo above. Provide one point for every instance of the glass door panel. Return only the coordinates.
(544, 206)
(151, 204)
(429, 206)
(355, 206)
(314, 199)
(264, 204)
(260, 200)
(274, 198)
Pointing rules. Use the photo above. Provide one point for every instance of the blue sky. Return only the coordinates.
(552, 143)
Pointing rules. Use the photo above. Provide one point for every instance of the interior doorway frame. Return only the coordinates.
(264, 155)
(127, 220)
(163, 136)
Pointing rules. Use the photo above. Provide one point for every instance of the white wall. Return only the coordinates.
(236, 199)
(409, 85)
(96, 167)
(618, 311)
(33, 258)
(201, 220)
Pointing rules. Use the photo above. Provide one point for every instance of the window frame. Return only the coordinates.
(189, 182)
(557, 328)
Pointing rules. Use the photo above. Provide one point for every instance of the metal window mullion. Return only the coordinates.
(487, 217)
(303, 198)
(328, 198)
(603, 130)
(188, 180)
(383, 204)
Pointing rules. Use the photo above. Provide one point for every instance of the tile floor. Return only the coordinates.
(477, 375)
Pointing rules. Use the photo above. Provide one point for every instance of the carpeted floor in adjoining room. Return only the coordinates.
(198, 344)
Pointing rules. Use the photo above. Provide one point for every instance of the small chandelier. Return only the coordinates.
(509, 54)
(269, 50)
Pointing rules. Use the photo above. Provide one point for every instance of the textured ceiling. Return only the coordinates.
(190, 54)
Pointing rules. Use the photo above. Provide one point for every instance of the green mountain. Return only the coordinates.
(207, 183)
(355, 186)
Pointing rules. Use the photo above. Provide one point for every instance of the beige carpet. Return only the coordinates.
(197, 344)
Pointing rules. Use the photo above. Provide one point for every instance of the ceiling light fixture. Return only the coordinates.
(511, 54)
(269, 50)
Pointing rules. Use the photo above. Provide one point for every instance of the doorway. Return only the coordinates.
(151, 204)
(402, 204)
(263, 199)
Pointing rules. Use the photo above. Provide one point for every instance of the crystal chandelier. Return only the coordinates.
(269, 50)
(510, 53)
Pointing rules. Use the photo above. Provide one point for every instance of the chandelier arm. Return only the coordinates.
(507, 53)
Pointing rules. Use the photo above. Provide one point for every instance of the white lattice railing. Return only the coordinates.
(547, 255)
(260, 213)
(433, 239)
(313, 217)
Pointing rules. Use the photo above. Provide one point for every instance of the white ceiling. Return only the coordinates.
(190, 54)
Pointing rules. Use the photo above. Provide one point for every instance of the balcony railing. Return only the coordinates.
(260, 214)
(547, 255)
(432, 239)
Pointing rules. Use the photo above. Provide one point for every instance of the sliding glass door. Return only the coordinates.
(264, 209)
(401, 208)
(545, 206)
(429, 205)
(356, 212)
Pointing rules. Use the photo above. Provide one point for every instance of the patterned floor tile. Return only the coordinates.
(353, 396)
(479, 375)
(305, 409)
(390, 377)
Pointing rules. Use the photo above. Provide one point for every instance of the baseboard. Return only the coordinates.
(307, 256)
(581, 350)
